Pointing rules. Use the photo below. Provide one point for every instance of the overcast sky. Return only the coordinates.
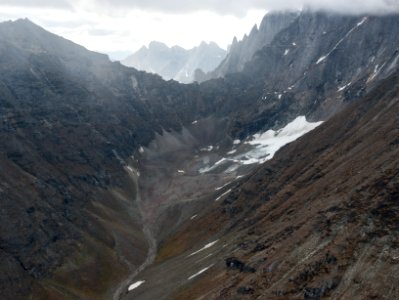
(118, 27)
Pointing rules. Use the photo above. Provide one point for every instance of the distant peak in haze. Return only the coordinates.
(157, 45)
(176, 62)
(161, 45)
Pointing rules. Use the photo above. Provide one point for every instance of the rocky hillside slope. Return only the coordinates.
(101, 162)
(175, 62)
(70, 120)
(319, 221)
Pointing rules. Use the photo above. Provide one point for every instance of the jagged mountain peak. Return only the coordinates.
(176, 62)
(209, 45)
(157, 45)
(240, 52)
(234, 42)
(254, 30)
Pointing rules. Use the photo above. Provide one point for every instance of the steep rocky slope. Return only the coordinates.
(70, 120)
(317, 221)
(241, 52)
(101, 162)
(175, 62)
(314, 67)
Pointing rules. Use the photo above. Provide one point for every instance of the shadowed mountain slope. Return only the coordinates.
(70, 120)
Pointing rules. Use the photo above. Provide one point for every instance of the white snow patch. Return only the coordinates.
(221, 187)
(205, 169)
(208, 149)
(181, 171)
(286, 52)
(293, 44)
(135, 285)
(204, 248)
(216, 164)
(279, 96)
(222, 195)
(362, 21)
(233, 168)
(393, 64)
(141, 150)
(220, 161)
(268, 143)
(200, 272)
(236, 142)
(205, 257)
(340, 89)
(130, 168)
(321, 59)
(195, 122)
(231, 152)
(193, 217)
(265, 145)
(377, 70)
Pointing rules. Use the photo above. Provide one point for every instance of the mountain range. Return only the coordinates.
(176, 62)
(275, 179)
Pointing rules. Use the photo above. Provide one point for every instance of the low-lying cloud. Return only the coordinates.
(239, 7)
(223, 7)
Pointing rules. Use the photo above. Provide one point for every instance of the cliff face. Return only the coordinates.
(241, 52)
(313, 67)
(77, 130)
